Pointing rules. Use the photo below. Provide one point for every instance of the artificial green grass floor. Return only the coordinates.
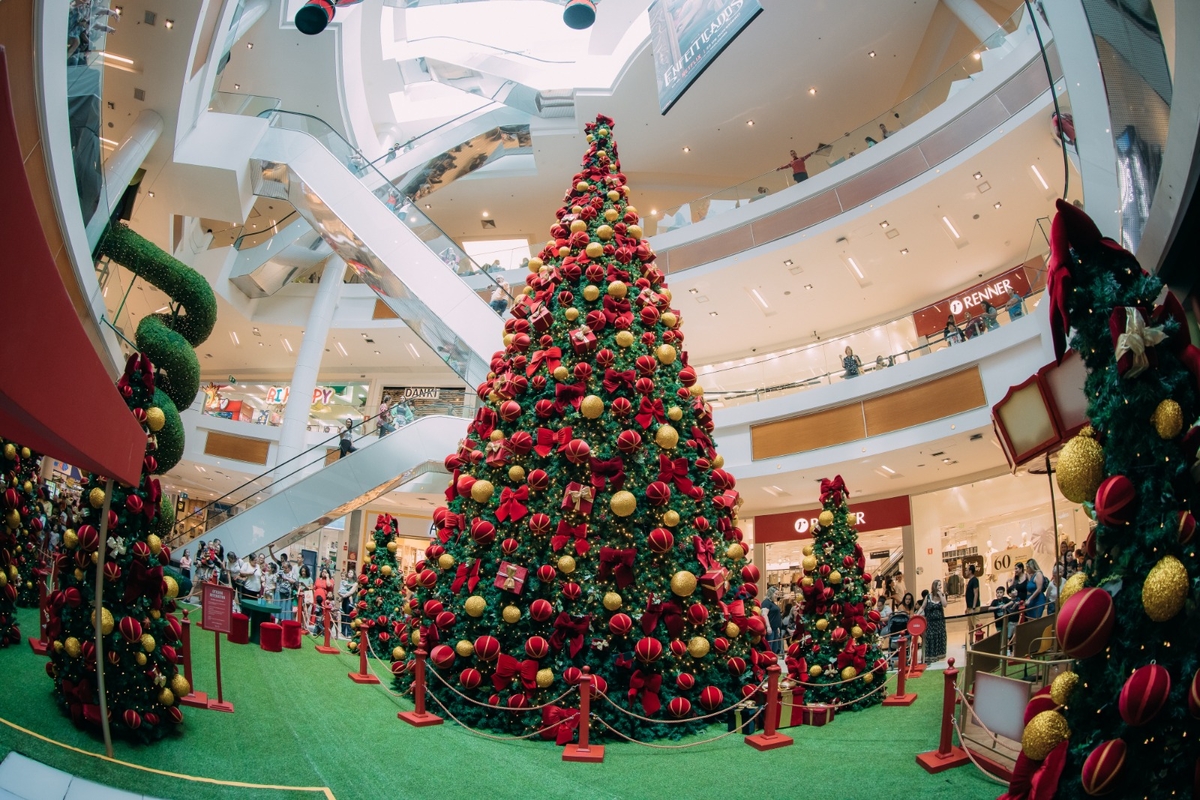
(301, 722)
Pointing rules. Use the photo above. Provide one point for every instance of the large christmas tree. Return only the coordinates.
(1127, 721)
(589, 522)
(837, 659)
(26, 478)
(381, 603)
(15, 499)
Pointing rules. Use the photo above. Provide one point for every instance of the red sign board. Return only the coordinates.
(931, 320)
(217, 603)
(876, 515)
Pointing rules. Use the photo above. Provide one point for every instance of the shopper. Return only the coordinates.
(322, 590)
(901, 614)
(1083, 560)
(305, 588)
(934, 609)
(851, 363)
(970, 326)
(185, 565)
(285, 587)
(798, 166)
(346, 442)
(762, 192)
(251, 574)
(1004, 610)
(883, 607)
(1053, 586)
(991, 317)
(774, 617)
(1035, 590)
(270, 582)
(951, 333)
(883, 131)
(346, 591)
(870, 142)
(383, 419)
(499, 301)
(1019, 582)
(898, 582)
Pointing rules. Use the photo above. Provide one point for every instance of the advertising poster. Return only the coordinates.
(688, 35)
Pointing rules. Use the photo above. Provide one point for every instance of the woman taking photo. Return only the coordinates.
(1035, 590)
(902, 612)
(934, 609)
(322, 590)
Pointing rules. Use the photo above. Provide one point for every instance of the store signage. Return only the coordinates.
(217, 602)
(687, 36)
(880, 554)
(931, 320)
(278, 395)
(421, 393)
(1007, 560)
(875, 515)
(322, 396)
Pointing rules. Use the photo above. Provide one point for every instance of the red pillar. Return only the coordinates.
(915, 669)
(591, 754)
(419, 717)
(194, 699)
(947, 756)
(363, 675)
(900, 698)
(39, 645)
(327, 648)
(769, 739)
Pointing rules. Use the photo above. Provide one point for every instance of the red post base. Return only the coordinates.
(195, 700)
(358, 677)
(227, 707)
(761, 741)
(591, 754)
(37, 646)
(900, 699)
(328, 651)
(916, 671)
(934, 762)
(423, 720)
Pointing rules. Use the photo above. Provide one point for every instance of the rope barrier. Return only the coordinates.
(489, 705)
(493, 737)
(836, 706)
(386, 688)
(718, 712)
(971, 756)
(631, 740)
(839, 683)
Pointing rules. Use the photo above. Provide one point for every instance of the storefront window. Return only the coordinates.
(263, 404)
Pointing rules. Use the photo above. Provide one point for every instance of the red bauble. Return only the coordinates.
(621, 408)
(723, 480)
(646, 365)
(410, 580)
(433, 551)
(493, 700)
(432, 608)
(697, 614)
(539, 524)
(469, 677)
(678, 648)
(482, 531)
(89, 538)
(1144, 694)
(442, 656)
(572, 590)
(132, 719)
(578, 451)
(510, 410)
(582, 370)
(658, 493)
(750, 573)
(465, 482)
(518, 701)
(750, 589)
(1116, 501)
(1085, 623)
(130, 628)
(685, 681)
(521, 442)
(643, 386)
(711, 698)
(620, 624)
(628, 441)
(546, 573)
(541, 610)
(1194, 696)
(509, 546)
(538, 480)
(572, 675)
(660, 540)
(605, 357)
(679, 707)
(486, 648)
(756, 625)
(445, 620)
(1102, 768)
(736, 665)
(721, 644)
(399, 667)
(648, 650)
(175, 713)
(1187, 527)
(544, 408)
(536, 647)
(112, 571)
(427, 578)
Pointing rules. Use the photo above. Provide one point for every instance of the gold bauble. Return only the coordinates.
(10, 452)
(732, 630)
(26, 452)
(666, 353)
(825, 519)
(414, 637)
(807, 550)
(71, 646)
(822, 624)
(623, 503)
(106, 621)
(634, 232)
(1080, 467)
(1168, 419)
(696, 390)
(576, 210)
(545, 677)
(516, 473)
(856, 632)
(481, 491)
(611, 214)
(592, 407)
(352, 645)
(180, 686)
(70, 540)
(511, 615)
(3, 579)
(665, 292)
(604, 232)
(614, 196)
(809, 563)
(393, 546)
(683, 583)
(561, 373)
(166, 697)
(566, 565)
(371, 546)
(397, 653)
(535, 264)
(671, 519)
(624, 339)
(571, 314)
(58, 646)
(155, 418)
(591, 293)
(815, 671)
(851, 519)
(493, 398)
(582, 186)
(155, 613)
(612, 601)
(475, 605)
(698, 647)
(835, 578)
(578, 225)
(96, 497)
(78, 574)
(507, 339)
(1063, 686)
(386, 570)
(669, 319)
(1044, 732)
(445, 561)
(497, 435)
(666, 437)
(140, 659)
(172, 587)
(617, 289)
(148, 643)
(1165, 589)
(675, 413)
(1072, 585)
(735, 552)
(594, 250)
(849, 674)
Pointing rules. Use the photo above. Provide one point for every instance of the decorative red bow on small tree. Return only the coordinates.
(614, 380)
(470, 576)
(548, 440)
(559, 724)
(1036, 780)
(705, 552)
(833, 490)
(675, 470)
(508, 668)
(485, 421)
(551, 357)
(669, 613)
(649, 684)
(571, 393)
(612, 469)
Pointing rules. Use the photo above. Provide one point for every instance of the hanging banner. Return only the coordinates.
(688, 35)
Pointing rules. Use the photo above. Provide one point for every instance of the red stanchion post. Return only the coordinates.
(363, 675)
(948, 755)
(327, 648)
(591, 754)
(916, 669)
(40, 645)
(769, 739)
(194, 698)
(900, 698)
(419, 717)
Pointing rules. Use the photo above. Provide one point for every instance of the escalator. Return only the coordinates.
(310, 491)
(418, 271)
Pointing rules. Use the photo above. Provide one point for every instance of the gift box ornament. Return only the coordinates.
(541, 318)
(511, 577)
(742, 719)
(578, 498)
(713, 583)
(818, 714)
(583, 341)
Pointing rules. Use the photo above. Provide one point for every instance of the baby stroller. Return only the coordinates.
(897, 624)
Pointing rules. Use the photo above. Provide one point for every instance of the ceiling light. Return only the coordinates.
(687, 149)
(950, 225)
(759, 298)
(168, 24)
(108, 142)
(750, 122)
(694, 290)
(888, 470)
(1041, 180)
(249, 45)
(883, 224)
(150, 194)
(653, 211)
(341, 349)
(376, 352)
(984, 187)
(286, 344)
(412, 349)
(945, 461)
(995, 205)
(808, 286)
(871, 54)
(812, 90)
(233, 335)
(428, 206)
(485, 214)
(712, 313)
(977, 175)
(975, 56)
(114, 57)
(255, 331)
(904, 252)
(261, 344)
(788, 262)
(200, 468)
(237, 86)
(854, 266)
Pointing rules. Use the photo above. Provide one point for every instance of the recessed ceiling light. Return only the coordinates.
(168, 24)
(812, 90)
(255, 331)
(759, 298)
(788, 262)
(904, 252)
(871, 54)
(808, 286)
(977, 175)
(750, 122)
(1038, 174)
(883, 224)
(249, 45)
(485, 214)
(376, 352)
(413, 350)
(233, 335)
(237, 86)
(653, 211)
(150, 194)
(995, 205)
(975, 56)
(428, 206)
(694, 290)
(887, 469)
(687, 149)
(261, 344)
(950, 225)
(286, 344)
(341, 349)
(854, 266)
(114, 57)
(712, 313)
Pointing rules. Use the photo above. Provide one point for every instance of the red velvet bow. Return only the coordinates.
(547, 440)
(140, 361)
(614, 379)
(735, 612)
(559, 724)
(649, 684)
(1036, 780)
(78, 692)
(615, 273)
(564, 533)
(854, 655)
(469, 576)
(650, 411)
(705, 552)
(611, 470)
(452, 488)
(619, 562)
(674, 470)
(154, 495)
(567, 629)
(429, 635)
(452, 523)
(144, 582)
(570, 393)
(833, 490)
(551, 357)
(512, 503)
(703, 441)
(485, 421)
(508, 668)
(668, 612)
(797, 668)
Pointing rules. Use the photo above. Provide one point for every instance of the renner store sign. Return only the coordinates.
(876, 515)
(931, 320)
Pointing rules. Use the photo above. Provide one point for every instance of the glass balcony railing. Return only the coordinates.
(880, 347)
(243, 105)
(836, 150)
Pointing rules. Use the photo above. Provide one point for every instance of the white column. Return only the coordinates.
(308, 360)
(123, 164)
(980, 23)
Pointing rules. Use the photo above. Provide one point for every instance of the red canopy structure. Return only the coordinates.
(56, 397)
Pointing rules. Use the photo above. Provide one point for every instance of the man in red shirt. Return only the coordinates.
(799, 172)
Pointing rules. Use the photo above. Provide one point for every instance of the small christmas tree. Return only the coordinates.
(1127, 721)
(381, 604)
(837, 658)
(15, 499)
(26, 479)
(588, 521)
